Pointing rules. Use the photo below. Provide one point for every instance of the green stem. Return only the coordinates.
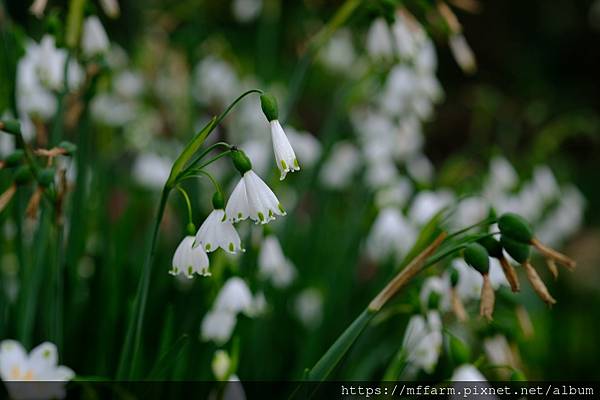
(212, 160)
(204, 153)
(187, 203)
(130, 352)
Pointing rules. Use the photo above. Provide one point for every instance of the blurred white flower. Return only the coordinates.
(94, 40)
(221, 364)
(110, 8)
(462, 53)
(391, 235)
(309, 307)
(438, 285)
(253, 199)
(502, 177)
(379, 39)
(469, 281)
(284, 154)
(151, 170)
(246, 10)
(565, 219)
(188, 259)
(215, 81)
(338, 171)
(498, 351)
(128, 84)
(217, 231)
(396, 194)
(307, 147)
(38, 7)
(427, 203)
(273, 265)
(41, 72)
(256, 150)
(469, 211)
(420, 168)
(545, 183)
(234, 297)
(467, 373)
(422, 341)
(39, 365)
(112, 110)
(217, 326)
(338, 53)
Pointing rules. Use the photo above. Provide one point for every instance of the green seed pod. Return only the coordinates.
(241, 161)
(517, 250)
(14, 158)
(477, 257)
(218, 201)
(454, 277)
(492, 245)
(69, 147)
(23, 175)
(433, 302)
(11, 126)
(515, 227)
(459, 352)
(46, 176)
(269, 106)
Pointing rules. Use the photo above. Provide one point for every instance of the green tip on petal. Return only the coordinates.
(231, 247)
(283, 165)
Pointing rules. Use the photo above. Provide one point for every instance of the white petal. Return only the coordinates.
(262, 203)
(218, 325)
(234, 297)
(44, 356)
(284, 153)
(217, 231)
(237, 205)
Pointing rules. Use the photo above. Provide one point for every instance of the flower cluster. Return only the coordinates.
(251, 199)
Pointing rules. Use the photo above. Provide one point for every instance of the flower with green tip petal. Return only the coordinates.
(217, 231)
(253, 199)
(189, 259)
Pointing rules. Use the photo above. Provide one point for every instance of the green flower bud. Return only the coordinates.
(454, 277)
(69, 147)
(268, 104)
(11, 126)
(459, 352)
(218, 201)
(477, 257)
(191, 229)
(241, 161)
(515, 227)
(46, 176)
(14, 158)
(516, 249)
(23, 175)
(492, 245)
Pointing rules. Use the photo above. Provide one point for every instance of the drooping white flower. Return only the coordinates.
(379, 39)
(462, 53)
(498, 351)
(309, 307)
(422, 341)
(217, 326)
(273, 264)
(392, 234)
(94, 40)
(467, 373)
(110, 8)
(338, 53)
(41, 364)
(151, 170)
(284, 154)
(189, 259)
(253, 199)
(427, 203)
(234, 297)
(215, 81)
(246, 10)
(439, 286)
(339, 169)
(217, 231)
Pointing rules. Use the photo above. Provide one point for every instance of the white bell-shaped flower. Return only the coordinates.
(94, 40)
(284, 154)
(217, 326)
(423, 340)
(217, 231)
(41, 364)
(235, 297)
(253, 199)
(189, 259)
(273, 264)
